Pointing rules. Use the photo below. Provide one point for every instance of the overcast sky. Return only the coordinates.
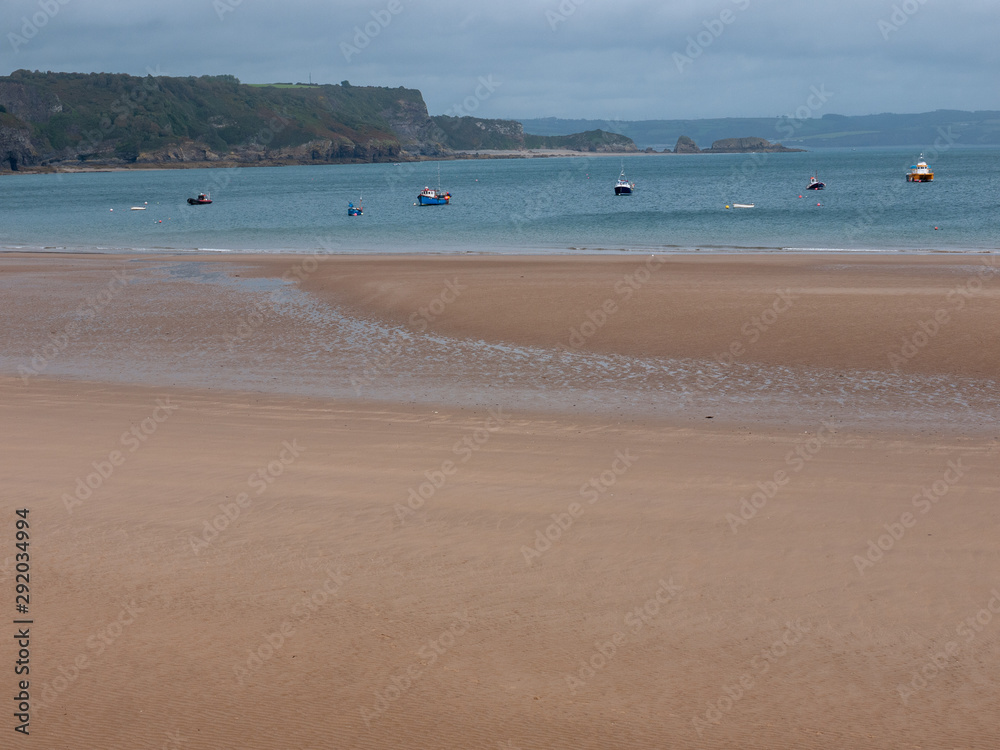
(626, 59)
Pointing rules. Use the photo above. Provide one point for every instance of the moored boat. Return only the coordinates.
(202, 200)
(357, 210)
(920, 172)
(815, 184)
(431, 197)
(623, 186)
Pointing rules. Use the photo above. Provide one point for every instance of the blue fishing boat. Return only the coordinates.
(357, 210)
(431, 197)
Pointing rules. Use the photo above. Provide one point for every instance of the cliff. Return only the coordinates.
(16, 149)
(119, 120)
(59, 120)
(474, 133)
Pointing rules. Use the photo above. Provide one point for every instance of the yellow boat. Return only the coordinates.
(920, 172)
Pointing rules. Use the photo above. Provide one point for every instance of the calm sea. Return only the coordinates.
(553, 205)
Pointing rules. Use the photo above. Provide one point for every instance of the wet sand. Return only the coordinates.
(399, 503)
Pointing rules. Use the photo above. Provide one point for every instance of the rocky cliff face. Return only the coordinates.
(416, 131)
(16, 150)
(67, 120)
(472, 133)
(27, 103)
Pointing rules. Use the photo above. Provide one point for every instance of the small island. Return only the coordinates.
(748, 145)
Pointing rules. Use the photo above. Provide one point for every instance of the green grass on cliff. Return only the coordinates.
(101, 112)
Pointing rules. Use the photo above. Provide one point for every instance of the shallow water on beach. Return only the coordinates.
(554, 205)
(263, 334)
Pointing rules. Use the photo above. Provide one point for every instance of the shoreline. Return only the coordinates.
(223, 164)
(458, 155)
(526, 252)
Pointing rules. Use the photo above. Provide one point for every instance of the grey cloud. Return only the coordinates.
(574, 58)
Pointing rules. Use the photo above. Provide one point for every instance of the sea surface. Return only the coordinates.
(546, 205)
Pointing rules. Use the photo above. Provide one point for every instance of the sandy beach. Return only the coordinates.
(517, 502)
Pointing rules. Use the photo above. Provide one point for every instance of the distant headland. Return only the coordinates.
(86, 121)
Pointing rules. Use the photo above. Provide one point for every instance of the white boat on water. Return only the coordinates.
(623, 186)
